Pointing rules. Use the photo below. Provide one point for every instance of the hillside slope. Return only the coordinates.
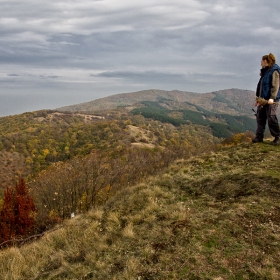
(34, 141)
(211, 217)
(230, 101)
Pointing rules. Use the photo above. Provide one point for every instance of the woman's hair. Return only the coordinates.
(271, 59)
(265, 57)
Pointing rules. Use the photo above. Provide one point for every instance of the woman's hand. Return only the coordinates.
(270, 101)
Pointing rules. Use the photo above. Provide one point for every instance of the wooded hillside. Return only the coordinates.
(31, 142)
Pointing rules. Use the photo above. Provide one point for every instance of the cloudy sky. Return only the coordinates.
(55, 53)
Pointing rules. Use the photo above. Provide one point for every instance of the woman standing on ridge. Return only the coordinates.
(268, 90)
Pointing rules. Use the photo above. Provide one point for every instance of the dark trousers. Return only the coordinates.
(267, 113)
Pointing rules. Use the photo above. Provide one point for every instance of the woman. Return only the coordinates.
(268, 89)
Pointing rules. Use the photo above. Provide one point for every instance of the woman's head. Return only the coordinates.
(264, 61)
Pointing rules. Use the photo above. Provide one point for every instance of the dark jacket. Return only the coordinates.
(266, 84)
(259, 86)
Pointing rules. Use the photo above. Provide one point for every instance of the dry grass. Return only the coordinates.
(212, 217)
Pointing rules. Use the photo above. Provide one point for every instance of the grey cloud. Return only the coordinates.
(129, 45)
(145, 77)
(49, 77)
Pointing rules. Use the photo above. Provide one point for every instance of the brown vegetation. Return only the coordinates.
(209, 217)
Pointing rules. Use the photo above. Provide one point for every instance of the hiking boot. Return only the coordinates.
(276, 141)
(257, 140)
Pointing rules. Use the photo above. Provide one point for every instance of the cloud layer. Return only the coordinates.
(58, 53)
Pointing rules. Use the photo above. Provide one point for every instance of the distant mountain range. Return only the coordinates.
(230, 101)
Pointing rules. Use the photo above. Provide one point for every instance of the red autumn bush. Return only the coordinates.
(17, 215)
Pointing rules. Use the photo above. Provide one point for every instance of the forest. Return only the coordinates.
(222, 125)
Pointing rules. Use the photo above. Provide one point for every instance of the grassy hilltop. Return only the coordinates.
(215, 216)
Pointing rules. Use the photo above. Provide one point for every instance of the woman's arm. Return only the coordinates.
(274, 85)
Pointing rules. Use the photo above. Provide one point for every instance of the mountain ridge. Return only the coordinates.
(217, 101)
